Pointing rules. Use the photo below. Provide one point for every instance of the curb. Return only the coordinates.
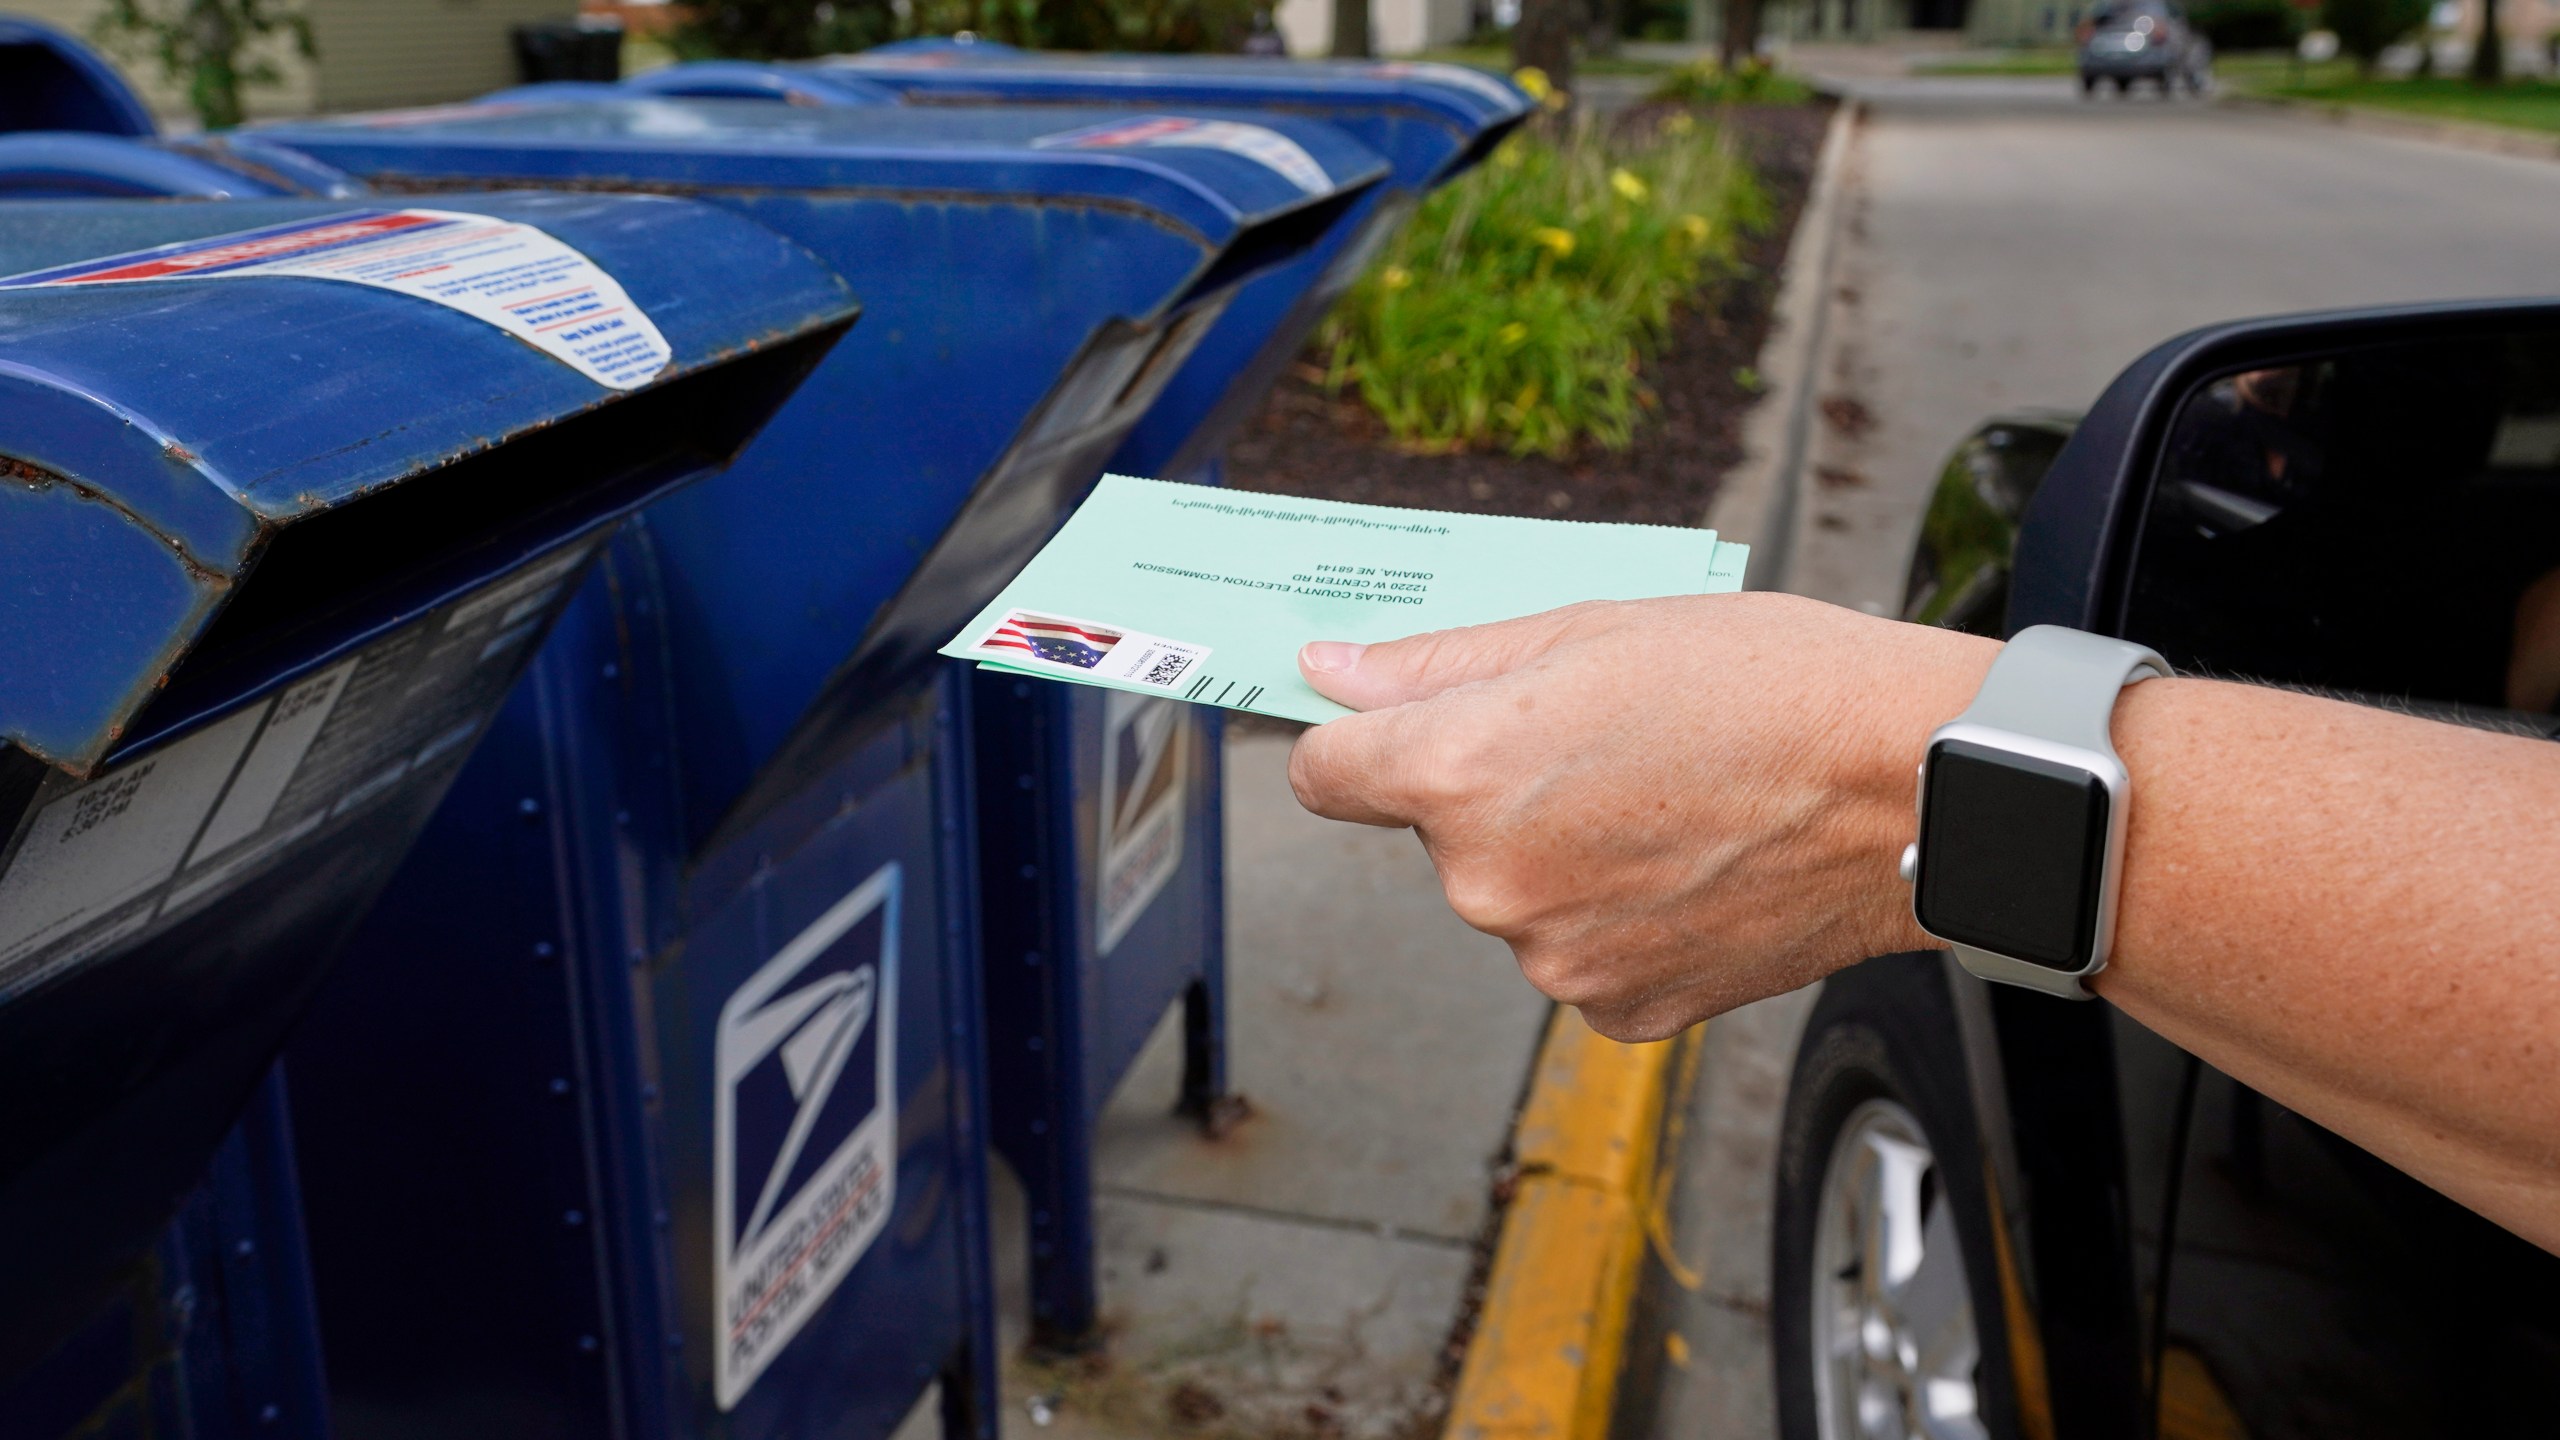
(2459, 134)
(1550, 1342)
(1757, 502)
(1550, 1345)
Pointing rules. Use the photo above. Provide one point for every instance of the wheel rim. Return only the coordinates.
(1894, 1345)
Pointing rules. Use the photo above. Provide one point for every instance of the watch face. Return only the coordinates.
(2012, 849)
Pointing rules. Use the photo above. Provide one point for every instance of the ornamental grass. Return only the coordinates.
(1517, 309)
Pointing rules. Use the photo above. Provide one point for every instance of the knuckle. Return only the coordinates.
(1308, 777)
(1481, 900)
(1560, 975)
(1453, 767)
(1632, 1025)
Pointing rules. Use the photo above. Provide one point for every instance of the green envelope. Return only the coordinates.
(1205, 595)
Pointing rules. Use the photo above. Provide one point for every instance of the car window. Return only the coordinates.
(2386, 523)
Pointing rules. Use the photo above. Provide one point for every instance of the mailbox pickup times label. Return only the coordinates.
(1259, 143)
(107, 863)
(1145, 760)
(804, 1127)
(512, 276)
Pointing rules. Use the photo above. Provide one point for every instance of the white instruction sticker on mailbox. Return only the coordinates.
(511, 275)
(1259, 143)
(1146, 758)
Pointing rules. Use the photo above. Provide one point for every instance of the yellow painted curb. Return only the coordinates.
(1544, 1362)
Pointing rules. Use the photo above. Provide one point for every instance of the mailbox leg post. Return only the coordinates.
(1040, 1118)
(971, 1388)
(1207, 1095)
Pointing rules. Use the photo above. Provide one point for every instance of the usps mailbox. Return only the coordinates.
(289, 493)
(49, 81)
(774, 777)
(1101, 911)
(1429, 121)
(1073, 993)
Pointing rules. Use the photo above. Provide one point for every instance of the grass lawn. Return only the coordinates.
(2525, 104)
(2026, 60)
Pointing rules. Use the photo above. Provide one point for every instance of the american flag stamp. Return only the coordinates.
(1032, 640)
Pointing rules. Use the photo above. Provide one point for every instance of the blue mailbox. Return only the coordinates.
(1101, 910)
(78, 165)
(289, 491)
(49, 81)
(1029, 281)
(1430, 121)
(1100, 915)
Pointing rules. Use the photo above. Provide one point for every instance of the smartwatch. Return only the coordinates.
(2022, 813)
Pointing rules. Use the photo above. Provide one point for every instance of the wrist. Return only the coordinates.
(1935, 676)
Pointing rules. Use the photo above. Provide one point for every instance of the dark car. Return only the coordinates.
(2005, 1215)
(2129, 40)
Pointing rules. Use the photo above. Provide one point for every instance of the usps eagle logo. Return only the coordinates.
(804, 1126)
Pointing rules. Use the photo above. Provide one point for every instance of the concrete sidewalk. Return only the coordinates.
(1298, 1277)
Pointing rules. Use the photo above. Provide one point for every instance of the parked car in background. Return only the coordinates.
(2129, 40)
(2012, 1217)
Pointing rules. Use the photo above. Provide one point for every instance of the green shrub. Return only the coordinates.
(2249, 24)
(1753, 82)
(1517, 308)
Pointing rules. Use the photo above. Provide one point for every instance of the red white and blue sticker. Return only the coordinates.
(511, 275)
(1458, 76)
(1260, 144)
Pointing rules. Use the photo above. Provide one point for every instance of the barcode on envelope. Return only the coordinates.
(1163, 667)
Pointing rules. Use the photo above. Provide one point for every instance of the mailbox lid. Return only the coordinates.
(1101, 156)
(1431, 119)
(159, 436)
(49, 81)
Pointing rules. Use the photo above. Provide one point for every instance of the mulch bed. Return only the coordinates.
(1308, 443)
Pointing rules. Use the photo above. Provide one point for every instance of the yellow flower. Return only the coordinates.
(1696, 228)
(1396, 277)
(1559, 242)
(1626, 183)
(1508, 154)
(1512, 334)
(1534, 81)
(1680, 123)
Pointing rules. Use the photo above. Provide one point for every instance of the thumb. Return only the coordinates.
(1393, 672)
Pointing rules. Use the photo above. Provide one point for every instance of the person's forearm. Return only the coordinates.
(2355, 912)
(2286, 918)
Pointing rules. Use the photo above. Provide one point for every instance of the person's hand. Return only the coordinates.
(1667, 807)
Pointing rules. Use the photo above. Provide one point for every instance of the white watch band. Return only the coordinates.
(2059, 685)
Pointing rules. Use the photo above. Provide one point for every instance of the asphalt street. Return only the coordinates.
(2005, 244)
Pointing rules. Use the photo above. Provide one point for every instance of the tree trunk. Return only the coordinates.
(1600, 37)
(2489, 52)
(214, 88)
(1543, 40)
(1741, 32)
(1351, 29)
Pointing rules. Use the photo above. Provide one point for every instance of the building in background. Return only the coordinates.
(372, 53)
(1396, 27)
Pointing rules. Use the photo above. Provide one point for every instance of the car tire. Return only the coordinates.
(1880, 1167)
(2124, 85)
(2088, 87)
